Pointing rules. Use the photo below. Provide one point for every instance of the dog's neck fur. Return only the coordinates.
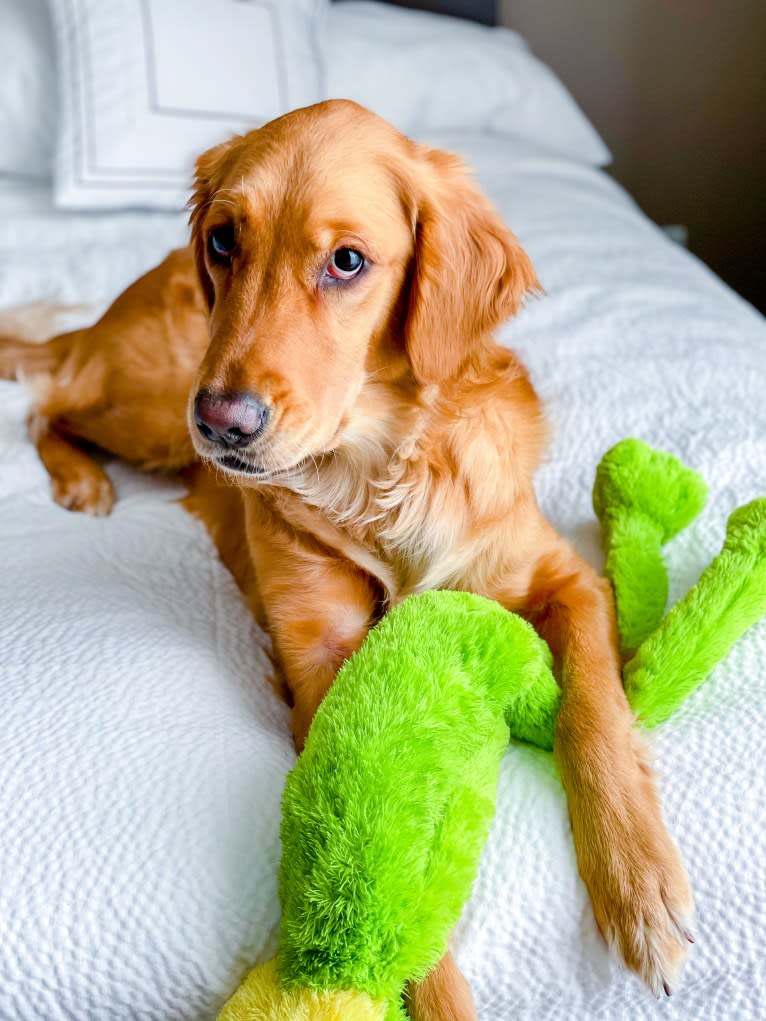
(421, 486)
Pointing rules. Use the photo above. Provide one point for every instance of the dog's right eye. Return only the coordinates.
(222, 243)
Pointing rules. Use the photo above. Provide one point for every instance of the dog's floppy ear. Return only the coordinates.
(470, 272)
(208, 174)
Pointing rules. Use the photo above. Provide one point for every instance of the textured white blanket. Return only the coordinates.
(142, 753)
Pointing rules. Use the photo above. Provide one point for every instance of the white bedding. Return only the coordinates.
(142, 752)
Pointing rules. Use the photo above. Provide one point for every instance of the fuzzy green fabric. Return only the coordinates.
(388, 807)
(642, 498)
(697, 633)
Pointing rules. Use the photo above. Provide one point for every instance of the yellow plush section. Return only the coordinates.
(262, 998)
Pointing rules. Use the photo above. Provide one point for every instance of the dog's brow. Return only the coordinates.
(338, 234)
(361, 239)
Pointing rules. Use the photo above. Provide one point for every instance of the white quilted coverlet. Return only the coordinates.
(142, 753)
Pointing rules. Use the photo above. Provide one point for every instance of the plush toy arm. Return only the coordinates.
(729, 597)
(642, 498)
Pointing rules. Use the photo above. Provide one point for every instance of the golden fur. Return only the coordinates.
(398, 456)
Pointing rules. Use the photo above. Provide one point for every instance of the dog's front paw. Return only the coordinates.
(643, 905)
(88, 490)
(637, 883)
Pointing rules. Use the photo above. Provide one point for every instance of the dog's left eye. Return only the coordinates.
(345, 264)
(221, 243)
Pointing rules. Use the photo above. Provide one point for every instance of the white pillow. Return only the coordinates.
(146, 85)
(27, 88)
(427, 72)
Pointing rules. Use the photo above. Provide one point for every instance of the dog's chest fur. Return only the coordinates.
(422, 495)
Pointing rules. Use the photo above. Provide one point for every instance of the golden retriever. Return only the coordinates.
(326, 344)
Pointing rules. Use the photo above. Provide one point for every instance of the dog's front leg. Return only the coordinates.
(637, 884)
(314, 631)
(317, 607)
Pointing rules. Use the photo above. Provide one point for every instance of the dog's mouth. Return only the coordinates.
(233, 463)
(237, 465)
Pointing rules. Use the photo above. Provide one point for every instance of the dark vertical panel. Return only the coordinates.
(484, 11)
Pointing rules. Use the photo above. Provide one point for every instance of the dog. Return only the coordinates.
(321, 361)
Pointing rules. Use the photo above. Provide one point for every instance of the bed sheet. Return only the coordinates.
(143, 753)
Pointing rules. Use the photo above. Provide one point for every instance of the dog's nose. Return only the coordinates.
(229, 419)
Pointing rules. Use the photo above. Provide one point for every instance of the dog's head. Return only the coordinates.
(333, 251)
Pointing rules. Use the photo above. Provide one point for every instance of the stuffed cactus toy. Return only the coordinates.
(387, 810)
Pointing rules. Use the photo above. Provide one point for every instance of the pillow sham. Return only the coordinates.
(427, 72)
(27, 89)
(146, 85)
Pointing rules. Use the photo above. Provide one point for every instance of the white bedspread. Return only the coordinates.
(142, 753)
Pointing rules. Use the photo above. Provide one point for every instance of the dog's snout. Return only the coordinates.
(229, 419)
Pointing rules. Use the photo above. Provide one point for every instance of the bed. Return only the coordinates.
(143, 751)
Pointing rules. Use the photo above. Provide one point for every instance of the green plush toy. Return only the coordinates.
(387, 810)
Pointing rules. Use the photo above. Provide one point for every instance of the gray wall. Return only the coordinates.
(678, 90)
